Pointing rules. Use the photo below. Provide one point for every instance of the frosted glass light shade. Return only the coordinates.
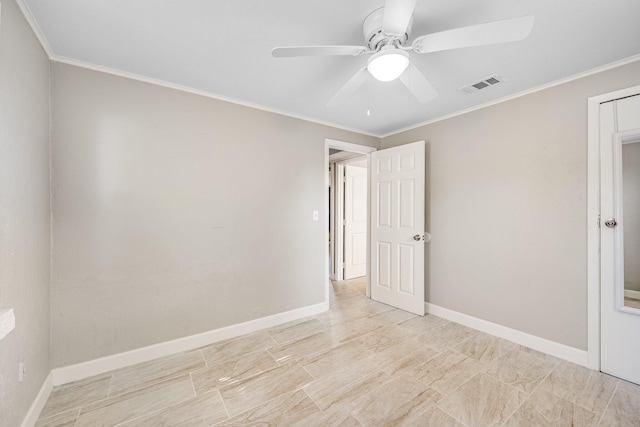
(388, 65)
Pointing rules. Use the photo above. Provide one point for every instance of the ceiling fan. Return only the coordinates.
(387, 30)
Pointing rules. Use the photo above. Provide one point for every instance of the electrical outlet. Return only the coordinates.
(22, 371)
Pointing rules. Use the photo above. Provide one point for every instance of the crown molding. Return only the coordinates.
(545, 86)
(26, 11)
(187, 89)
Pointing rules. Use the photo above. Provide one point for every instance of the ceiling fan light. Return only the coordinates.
(388, 65)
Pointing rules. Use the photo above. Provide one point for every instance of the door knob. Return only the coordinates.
(417, 237)
(611, 222)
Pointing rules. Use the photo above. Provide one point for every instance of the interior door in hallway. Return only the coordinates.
(397, 226)
(355, 225)
(620, 238)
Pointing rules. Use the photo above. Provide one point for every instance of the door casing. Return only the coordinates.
(355, 148)
(593, 221)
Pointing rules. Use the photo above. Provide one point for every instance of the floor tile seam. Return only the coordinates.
(575, 401)
(110, 383)
(224, 405)
(193, 385)
(266, 402)
(292, 324)
(293, 340)
(80, 408)
(357, 336)
(391, 378)
(313, 400)
(55, 414)
(124, 423)
(445, 396)
(236, 356)
(415, 339)
(152, 383)
(204, 359)
(517, 407)
(250, 377)
(299, 359)
(437, 405)
(132, 419)
(383, 384)
(297, 340)
(487, 372)
(430, 408)
(606, 408)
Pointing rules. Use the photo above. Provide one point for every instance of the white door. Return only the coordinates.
(620, 238)
(355, 225)
(397, 226)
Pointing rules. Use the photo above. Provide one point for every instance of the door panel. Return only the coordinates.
(397, 215)
(355, 229)
(620, 321)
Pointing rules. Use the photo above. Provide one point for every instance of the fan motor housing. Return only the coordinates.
(375, 37)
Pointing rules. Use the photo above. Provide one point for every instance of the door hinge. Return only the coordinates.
(598, 221)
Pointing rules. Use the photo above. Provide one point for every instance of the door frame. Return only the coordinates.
(337, 232)
(354, 148)
(593, 220)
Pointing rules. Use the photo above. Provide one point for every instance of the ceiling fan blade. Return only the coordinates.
(421, 88)
(349, 88)
(508, 30)
(397, 14)
(284, 52)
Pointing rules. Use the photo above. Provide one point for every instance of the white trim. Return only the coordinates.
(621, 138)
(545, 86)
(348, 146)
(355, 148)
(553, 348)
(593, 213)
(628, 293)
(31, 20)
(38, 403)
(338, 224)
(593, 233)
(187, 89)
(83, 370)
(26, 11)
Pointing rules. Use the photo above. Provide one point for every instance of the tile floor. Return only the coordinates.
(360, 364)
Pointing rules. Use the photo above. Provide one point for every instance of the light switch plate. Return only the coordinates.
(315, 215)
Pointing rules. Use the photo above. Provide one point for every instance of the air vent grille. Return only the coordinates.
(482, 84)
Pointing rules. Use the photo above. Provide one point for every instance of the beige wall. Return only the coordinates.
(507, 188)
(24, 212)
(631, 205)
(175, 214)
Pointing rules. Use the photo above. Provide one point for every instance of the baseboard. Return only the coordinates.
(543, 345)
(41, 399)
(99, 366)
(631, 294)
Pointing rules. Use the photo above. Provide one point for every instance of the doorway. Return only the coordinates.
(342, 158)
(348, 222)
(614, 233)
(395, 214)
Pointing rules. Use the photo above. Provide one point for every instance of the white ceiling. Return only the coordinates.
(224, 48)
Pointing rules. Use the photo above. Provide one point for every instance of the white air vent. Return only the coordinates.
(482, 84)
